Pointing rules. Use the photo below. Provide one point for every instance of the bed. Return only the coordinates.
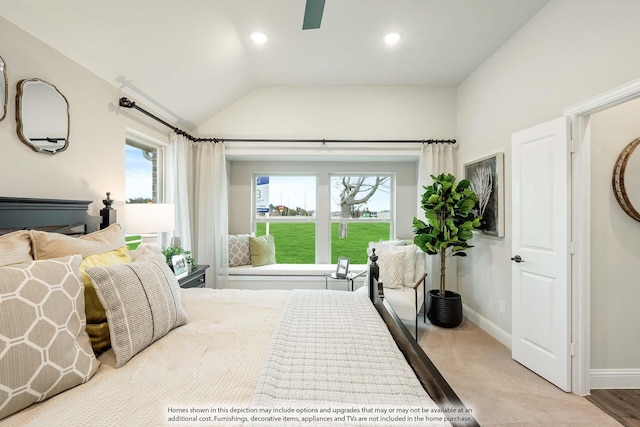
(232, 357)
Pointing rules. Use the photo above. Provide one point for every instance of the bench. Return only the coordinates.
(289, 276)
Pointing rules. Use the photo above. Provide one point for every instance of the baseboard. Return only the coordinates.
(615, 378)
(488, 326)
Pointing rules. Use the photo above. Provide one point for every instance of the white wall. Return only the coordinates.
(94, 161)
(383, 112)
(615, 267)
(570, 51)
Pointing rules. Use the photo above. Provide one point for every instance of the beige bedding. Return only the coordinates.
(214, 359)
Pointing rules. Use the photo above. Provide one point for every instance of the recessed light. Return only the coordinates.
(259, 37)
(392, 38)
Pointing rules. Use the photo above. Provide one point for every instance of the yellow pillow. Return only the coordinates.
(97, 326)
(54, 245)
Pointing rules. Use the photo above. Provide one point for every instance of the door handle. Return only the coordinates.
(517, 258)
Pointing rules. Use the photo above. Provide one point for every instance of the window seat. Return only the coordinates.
(287, 276)
(290, 269)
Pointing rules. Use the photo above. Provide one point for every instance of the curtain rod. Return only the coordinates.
(127, 103)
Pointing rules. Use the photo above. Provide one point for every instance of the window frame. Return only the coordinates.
(140, 140)
(323, 220)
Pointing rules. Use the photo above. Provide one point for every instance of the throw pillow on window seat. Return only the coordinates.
(239, 250)
(263, 250)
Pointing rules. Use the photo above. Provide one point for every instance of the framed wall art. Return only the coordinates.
(486, 176)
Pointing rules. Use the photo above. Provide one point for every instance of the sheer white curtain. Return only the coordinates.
(177, 187)
(210, 209)
(434, 160)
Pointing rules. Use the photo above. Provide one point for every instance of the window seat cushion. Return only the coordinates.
(290, 269)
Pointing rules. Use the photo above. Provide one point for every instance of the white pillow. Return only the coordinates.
(391, 269)
(409, 253)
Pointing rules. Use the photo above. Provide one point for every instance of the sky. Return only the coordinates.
(138, 174)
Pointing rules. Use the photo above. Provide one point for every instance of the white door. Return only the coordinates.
(540, 244)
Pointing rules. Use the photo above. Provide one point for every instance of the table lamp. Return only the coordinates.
(149, 219)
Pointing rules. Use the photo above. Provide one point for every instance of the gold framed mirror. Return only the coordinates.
(629, 168)
(4, 89)
(42, 116)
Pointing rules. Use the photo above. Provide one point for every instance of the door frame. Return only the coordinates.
(580, 138)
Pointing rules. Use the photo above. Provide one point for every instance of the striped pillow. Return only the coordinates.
(142, 302)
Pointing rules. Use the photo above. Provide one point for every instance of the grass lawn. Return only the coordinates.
(295, 243)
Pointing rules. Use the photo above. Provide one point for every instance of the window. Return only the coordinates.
(142, 176)
(285, 207)
(351, 211)
(141, 172)
(361, 211)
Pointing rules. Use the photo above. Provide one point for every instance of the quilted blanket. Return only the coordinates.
(331, 349)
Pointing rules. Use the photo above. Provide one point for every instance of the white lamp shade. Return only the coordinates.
(149, 218)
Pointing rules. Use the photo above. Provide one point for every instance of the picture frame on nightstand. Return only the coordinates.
(180, 266)
(342, 268)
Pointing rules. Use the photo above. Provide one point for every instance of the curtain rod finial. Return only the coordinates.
(127, 103)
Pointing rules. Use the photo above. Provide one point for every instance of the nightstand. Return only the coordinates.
(195, 279)
(350, 278)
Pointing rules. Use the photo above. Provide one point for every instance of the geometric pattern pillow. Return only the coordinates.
(398, 246)
(239, 253)
(142, 301)
(44, 348)
(391, 265)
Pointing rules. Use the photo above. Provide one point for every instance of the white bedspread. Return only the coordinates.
(332, 349)
(214, 359)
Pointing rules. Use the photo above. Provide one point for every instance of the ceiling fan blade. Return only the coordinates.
(313, 14)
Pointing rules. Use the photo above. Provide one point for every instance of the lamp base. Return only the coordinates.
(149, 238)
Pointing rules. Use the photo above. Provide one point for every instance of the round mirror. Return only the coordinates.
(3, 89)
(42, 116)
(626, 180)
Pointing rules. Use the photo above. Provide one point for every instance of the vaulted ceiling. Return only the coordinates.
(190, 59)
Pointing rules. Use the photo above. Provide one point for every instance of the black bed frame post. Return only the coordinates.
(374, 275)
(108, 214)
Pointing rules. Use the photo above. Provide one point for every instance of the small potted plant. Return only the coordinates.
(449, 210)
(170, 251)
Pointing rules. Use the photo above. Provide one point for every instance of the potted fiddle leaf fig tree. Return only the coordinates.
(449, 210)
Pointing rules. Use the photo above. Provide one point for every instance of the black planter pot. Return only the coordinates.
(444, 311)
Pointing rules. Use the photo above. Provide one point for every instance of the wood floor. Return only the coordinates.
(623, 405)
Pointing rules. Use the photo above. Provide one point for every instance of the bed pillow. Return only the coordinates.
(97, 325)
(44, 348)
(53, 245)
(392, 269)
(142, 302)
(239, 250)
(263, 250)
(15, 247)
